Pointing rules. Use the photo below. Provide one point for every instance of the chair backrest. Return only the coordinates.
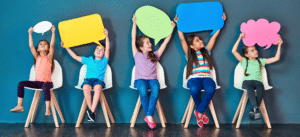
(239, 75)
(107, 78)
(212, 75)
(160, 77)
(56, 76)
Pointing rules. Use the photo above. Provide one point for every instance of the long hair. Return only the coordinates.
(34, 60)
(192, 57)
(140, 43)
(245, 51)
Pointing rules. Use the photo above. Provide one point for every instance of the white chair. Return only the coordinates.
(104, 105)
(238, 81)
(189, 109)
(57, 79)
(161, 80)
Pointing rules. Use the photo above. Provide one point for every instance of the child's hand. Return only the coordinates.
(224, 16)
(173, 24)
(133, 18)
(105, 32)
(176, 18)
(280, 41)
(30, 30)
(62, 44)
(53, 29)
(242, 35)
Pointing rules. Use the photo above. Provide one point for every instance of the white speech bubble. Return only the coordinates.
(42, 27)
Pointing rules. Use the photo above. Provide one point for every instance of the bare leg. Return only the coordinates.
(87, 95)
(97, 90)
(48, 113)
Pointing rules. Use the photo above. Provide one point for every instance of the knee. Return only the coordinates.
(87, 88)
(21, 84)
(97, 89)
(194, 89)
(143, 91)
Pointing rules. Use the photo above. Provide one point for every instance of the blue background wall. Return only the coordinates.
(16, 59)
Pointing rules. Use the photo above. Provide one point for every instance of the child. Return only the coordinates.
(43, 62)
(94, 74)
(253, 66)
(145, 71)
(198, 71)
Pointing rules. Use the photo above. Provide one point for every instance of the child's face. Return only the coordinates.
(197, 44)
(252, 52)
(99, 51)
(147, 46)
(43, 46)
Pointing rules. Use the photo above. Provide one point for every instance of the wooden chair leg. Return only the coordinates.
(245, 99)
(81, 113)
(160, 113)
(238, 109)
(31, 109)
(186, 111)
(104, 111)
(36, 105)
(189, 114)
(163, 114)
(108, 109)
(213, 113)
(265, 113)
(53, 99)
(135, 112)
(54, 114)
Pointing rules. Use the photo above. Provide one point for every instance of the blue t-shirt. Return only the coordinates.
(95, 68)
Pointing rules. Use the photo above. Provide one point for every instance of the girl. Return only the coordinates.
(43, 62)
(253, 66)
(145, 71)
(198, 71)
(94, 74)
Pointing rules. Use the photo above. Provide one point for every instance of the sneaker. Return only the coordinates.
(93, 116)
(251, 114)
(200, 123)
(257, 114)
(151, 125)
(197, 116)
(205, 118)
(17, 110)
(89, 114)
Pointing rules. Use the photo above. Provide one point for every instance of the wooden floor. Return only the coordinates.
(141, 129)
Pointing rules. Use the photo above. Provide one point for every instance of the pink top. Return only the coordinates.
(144, 68)
(43, 69)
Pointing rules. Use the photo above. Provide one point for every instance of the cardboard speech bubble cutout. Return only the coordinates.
(261, 32)
(81, 30)
(42, 27)
(200, 16)
(153, 22)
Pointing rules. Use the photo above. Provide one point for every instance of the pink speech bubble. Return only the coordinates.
(261, 32)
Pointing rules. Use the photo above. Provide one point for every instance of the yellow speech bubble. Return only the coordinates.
(81, 30)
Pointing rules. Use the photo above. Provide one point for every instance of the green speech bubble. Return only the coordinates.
(153, 22)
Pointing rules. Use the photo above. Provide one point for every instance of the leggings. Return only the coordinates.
(250, 86)
(195, 85)
(46, 86)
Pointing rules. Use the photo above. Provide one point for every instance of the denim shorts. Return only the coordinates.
(93, 82)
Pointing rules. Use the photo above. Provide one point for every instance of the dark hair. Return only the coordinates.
(140, 43)
(245, 51)
(34, 60)
(192, 57)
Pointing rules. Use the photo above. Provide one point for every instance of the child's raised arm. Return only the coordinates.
(133, 36)
(213, 39)
(277, 56)
(72, 54)
(107, 44)
(166, 41)
(182, 39)
(52, 43)
(235, 47)
(31, 46)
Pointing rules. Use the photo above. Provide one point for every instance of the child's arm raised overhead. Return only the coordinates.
(277, 56)
(166, 41)
(72, 54)
(213, 39)
(182, 39)
(107, 44)
(133, 36)
(31, 46)
(52, 43)
(235, 47)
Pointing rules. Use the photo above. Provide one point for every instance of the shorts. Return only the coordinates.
(93, 82)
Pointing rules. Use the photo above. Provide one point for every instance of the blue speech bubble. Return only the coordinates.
(200, 16)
